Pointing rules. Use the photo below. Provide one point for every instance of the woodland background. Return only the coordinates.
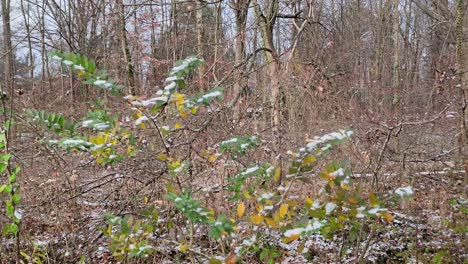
(393, 71)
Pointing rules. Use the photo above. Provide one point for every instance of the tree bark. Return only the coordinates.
(8, 70)
(130, 72)
(200, 42)
(396, 56)
(462, 78)
(241, 12)
(266, 21)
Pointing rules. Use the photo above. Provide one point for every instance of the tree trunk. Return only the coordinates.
(396, 57)
(25, 10)
(266, 22)
(462, 78)
(200, 43)
(8, 68)
(241, 12)
(130, 80)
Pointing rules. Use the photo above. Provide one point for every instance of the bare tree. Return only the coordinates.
(129, 68)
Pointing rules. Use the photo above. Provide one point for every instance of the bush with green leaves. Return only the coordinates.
(263, 195)
(11, 188)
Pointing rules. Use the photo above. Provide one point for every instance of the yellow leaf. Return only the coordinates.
(240, 209)
(81, 73)
(387, 216)
(309, 159)
(373, 200)
(146, 199)
(106, 136)
(176, 164)
(344, 187)
(177, 125)
(182, 113)
(178, 98)
(129, 150)
(291, 238)
(352, 200)
(301, 247)
(277, 175)
(161, 157)
(142, 125)
(211, 214)
(309, 201)
(256, 219)
(193, 110)
(276, 216)
(283, 210)
(99, 160)
(246, 194)
(183, 247)
(99, 140)
(212, 158)
(270, 222)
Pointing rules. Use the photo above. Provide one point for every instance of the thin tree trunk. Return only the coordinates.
(462, 75)
(217, 35)
(130, 72)
(26, 17)
(8, 68)
(200, 42)
(241, 12)
(396, 57)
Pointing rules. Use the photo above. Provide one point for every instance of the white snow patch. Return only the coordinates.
(265, 196)
(141, 120)
(99, 82)
(329, 207)
(209, 96)
(338, 172)
(295, 231)
(404, 191)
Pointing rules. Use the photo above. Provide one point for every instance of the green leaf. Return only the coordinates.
(16, 198)
(10, 229)
(16, 170)
(5, 157)
(6, 188)
(12, 178)
(3, 167)
(6, 124)
(214, 233)
(214, 261)
(10, 209)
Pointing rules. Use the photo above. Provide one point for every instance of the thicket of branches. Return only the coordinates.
(233, 130)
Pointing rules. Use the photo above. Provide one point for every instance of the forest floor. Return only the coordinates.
(64, 207)
(64, 215)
